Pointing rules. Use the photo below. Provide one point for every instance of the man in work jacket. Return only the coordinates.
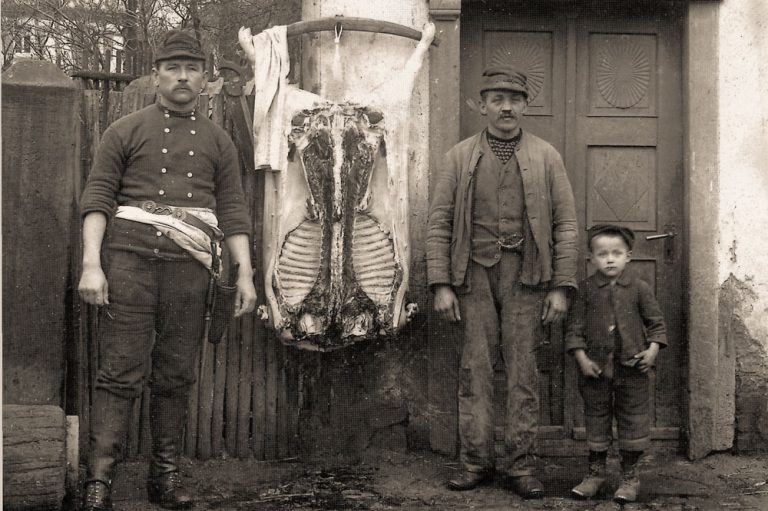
(501, 255)
(165, 188)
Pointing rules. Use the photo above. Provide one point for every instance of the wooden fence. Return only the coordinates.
(246, 400)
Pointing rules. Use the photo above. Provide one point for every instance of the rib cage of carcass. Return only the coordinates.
(336, 232)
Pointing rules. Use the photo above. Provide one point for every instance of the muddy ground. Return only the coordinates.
(383, 480)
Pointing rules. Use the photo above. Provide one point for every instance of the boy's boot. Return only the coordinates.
(167, 417)
(594, 480)
(109, 420)
(630, 482)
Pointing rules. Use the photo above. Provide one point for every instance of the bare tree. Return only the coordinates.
(94, 34)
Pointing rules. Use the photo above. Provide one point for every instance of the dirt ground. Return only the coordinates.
(384, 480)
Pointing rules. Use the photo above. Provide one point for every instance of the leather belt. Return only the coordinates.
(511, 242)
(155, 208)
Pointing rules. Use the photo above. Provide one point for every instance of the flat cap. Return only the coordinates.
(614, 230)
(180, 44)
(504, 78)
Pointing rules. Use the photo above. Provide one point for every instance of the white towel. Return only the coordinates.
(268, 52)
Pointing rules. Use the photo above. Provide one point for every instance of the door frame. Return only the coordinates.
(710, 401)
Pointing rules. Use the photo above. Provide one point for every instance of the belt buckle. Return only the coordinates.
(149, 206)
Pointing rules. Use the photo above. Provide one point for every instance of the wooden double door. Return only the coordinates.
(606, 92)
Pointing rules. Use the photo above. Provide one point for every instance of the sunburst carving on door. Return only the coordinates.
(623, 73)
(526, 56)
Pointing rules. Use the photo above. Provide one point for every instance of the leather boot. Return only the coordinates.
(467, 480)
(630, 480)
(592, 482)
(167, 417)
(109, 421)
(629, 486)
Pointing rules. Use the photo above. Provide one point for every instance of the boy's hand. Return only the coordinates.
(645, 359)
(587, 365)
(446, 303)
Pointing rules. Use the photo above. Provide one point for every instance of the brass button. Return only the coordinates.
(191, 153)
(189, 195)
(163, 170)
(159, 234)
(156, 251)
(193, 117)
(161, 192)
(164, 150)
(189, 174)
(193, 132)
(167, 130)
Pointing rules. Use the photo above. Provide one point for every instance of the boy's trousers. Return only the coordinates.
(501, 317)
(625, 397)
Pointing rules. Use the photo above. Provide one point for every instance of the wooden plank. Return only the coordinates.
(259, 396)
(244, 388)
(272, 380)
(283, 408)
(219, 388)
(231, 390)
(292, 401)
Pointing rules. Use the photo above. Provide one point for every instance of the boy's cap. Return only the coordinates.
(615, 230)
(180, 44)
(504, 78)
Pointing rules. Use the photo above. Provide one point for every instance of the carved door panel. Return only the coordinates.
(606, 92)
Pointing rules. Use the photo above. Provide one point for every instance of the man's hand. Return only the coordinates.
(555, 306)
(446, 303)
(245, 297)
(587, 365)
(93, 286)
(645, 359)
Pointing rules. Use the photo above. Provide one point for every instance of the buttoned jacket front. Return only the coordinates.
(549, 207)
(628, 306)
(169, 158)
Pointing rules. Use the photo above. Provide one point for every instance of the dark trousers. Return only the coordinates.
(146, 295)
(501, 317)
(625, 397)
(149, 295)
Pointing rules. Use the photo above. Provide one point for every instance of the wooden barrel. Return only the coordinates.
(34, 457)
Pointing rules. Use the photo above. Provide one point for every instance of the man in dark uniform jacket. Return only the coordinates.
(501, 253)
(165, 183)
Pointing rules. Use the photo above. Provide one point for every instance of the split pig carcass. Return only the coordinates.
(336, 213)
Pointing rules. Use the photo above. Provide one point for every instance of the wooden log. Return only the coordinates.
(34, 457)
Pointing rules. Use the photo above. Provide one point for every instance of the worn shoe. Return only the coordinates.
(628, 488)
(527, 487)
(97, 496)
(592, 482)
(167, 491)
(467, 480)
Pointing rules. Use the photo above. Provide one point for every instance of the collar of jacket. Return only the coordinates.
(624, 279)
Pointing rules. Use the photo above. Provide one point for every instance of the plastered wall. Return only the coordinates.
(743, 216)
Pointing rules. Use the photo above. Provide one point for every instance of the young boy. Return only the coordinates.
(615, 330)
